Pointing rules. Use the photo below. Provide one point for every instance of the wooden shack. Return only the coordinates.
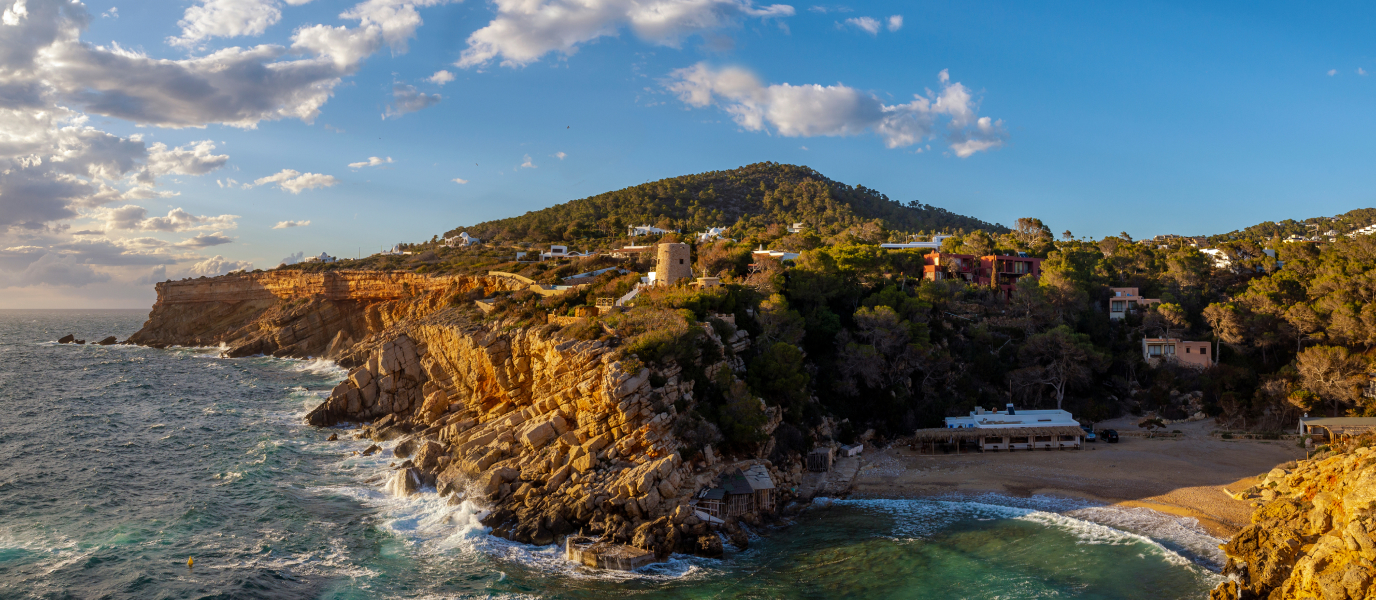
(819, 459)
(742, 491)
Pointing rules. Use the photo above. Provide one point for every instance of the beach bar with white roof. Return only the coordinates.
(1008, 429)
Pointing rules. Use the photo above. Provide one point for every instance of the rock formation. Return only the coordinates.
(552, 434)
(1311, 535)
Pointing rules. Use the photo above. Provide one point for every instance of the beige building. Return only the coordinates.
(1126, 299)
(672, 263)
(1190, 354)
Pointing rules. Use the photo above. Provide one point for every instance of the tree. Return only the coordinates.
(1333, 373)
(780, 323)
(777, 375)
(1165, 320)
(1058, 359)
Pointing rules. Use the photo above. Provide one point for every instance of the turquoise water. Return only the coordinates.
(118, 463)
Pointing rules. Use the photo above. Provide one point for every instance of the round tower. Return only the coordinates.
(672, 263)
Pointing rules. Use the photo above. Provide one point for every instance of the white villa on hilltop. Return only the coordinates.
(323, 258)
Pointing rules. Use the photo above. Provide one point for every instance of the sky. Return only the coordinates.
(142, 141)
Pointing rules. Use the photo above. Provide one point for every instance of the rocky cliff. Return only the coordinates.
(552, 434)
(297, 314)
(1311, 535)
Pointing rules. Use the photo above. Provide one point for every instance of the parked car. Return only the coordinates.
(1089, 433)
(1109, 435)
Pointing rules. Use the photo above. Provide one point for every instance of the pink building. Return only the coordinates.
(1126, 299)
(1191, 354)
(950, 266)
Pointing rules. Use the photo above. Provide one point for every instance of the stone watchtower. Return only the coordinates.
(672, 263)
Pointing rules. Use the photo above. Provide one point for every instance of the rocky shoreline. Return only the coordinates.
(552, 435)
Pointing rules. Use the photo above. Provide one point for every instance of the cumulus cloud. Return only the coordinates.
(441, 77)
(1332, 72)
(559, 155)
(527, 164)
(866, 24)
(55, 269)
(295, 181)
(219, 265)
(525, 30)
(405, 99)
(292, 258)
(372, 161)
(459, 180)
(837, 110)
(226, 18)
(290, 224)
(204, 240)
(133, 217)
(895, 22)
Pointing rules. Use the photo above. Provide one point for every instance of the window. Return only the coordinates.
(1204, 350)
(1187, 349)
(1118, 306)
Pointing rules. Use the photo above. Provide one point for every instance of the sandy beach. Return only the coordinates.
(1183, 476)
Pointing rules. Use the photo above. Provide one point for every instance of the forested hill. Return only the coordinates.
(1315, 226)
(751, 197)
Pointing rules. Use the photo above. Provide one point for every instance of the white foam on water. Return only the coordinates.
(1179, 533)
(319, 366)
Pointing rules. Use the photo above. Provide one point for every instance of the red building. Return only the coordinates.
(950, 266)
(1002, 272)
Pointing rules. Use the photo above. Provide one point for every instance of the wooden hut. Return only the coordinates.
(819, 460)
(741, 492)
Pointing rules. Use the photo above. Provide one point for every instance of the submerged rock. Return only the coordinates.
(108, 341)
(66, 339)
(371, 450)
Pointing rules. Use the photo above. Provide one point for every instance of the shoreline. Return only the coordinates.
(1181, 477)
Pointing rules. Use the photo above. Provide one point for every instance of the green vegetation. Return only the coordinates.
(755, 200)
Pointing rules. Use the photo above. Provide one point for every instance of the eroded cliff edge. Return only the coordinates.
(1311, 535)
(553, 435)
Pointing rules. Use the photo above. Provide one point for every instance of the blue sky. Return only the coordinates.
(1150, 118)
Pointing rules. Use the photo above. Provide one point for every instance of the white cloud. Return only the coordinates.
(135, 218)
(372, 161)
(838, 110)
(55, 269)
(204, 240)
(294, 181)
(292, 258)
(290, 224)
(559, 155)
(219, 265)
(528, 164)
(226, 182)
(194, 159)
(226, 18)
(113, 13)
(459, 180)
(1361, 71)
(441, 77)
(895, 22)
(1332, 72)
(525, 30)
(866, 24)
(405, 99)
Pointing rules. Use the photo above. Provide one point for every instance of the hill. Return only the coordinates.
(1342, 224)
(751, 197)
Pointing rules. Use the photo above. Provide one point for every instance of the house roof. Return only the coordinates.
(748, 481)
(1339, 421)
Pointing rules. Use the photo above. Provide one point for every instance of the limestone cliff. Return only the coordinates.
(1311, 535)
(552, 434)
(298, 314)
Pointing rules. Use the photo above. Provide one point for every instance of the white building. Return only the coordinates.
(1368, 230)
(461, 240)
(778, 255)
(1012, 429)
(1219, 257)
(636, 230)
(797, 228)
(555, 252)
(935, 244)
(323, 258)
(714, 233)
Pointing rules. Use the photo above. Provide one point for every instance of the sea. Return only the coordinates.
(118, 464)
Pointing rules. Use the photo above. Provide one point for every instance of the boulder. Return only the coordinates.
(108, 341)
(66, 339)
(371, 450)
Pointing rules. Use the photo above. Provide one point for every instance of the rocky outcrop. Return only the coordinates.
(1311, 535)
(299, 314)
(554, 435)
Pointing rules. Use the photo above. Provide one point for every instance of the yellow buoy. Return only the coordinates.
(190, 561)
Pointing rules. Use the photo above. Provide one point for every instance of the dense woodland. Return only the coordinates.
(850, 331)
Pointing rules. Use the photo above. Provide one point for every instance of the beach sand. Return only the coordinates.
(1183, 476)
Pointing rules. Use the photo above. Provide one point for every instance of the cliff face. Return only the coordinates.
(1312, 535)
(551, 433)
(296, 314)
